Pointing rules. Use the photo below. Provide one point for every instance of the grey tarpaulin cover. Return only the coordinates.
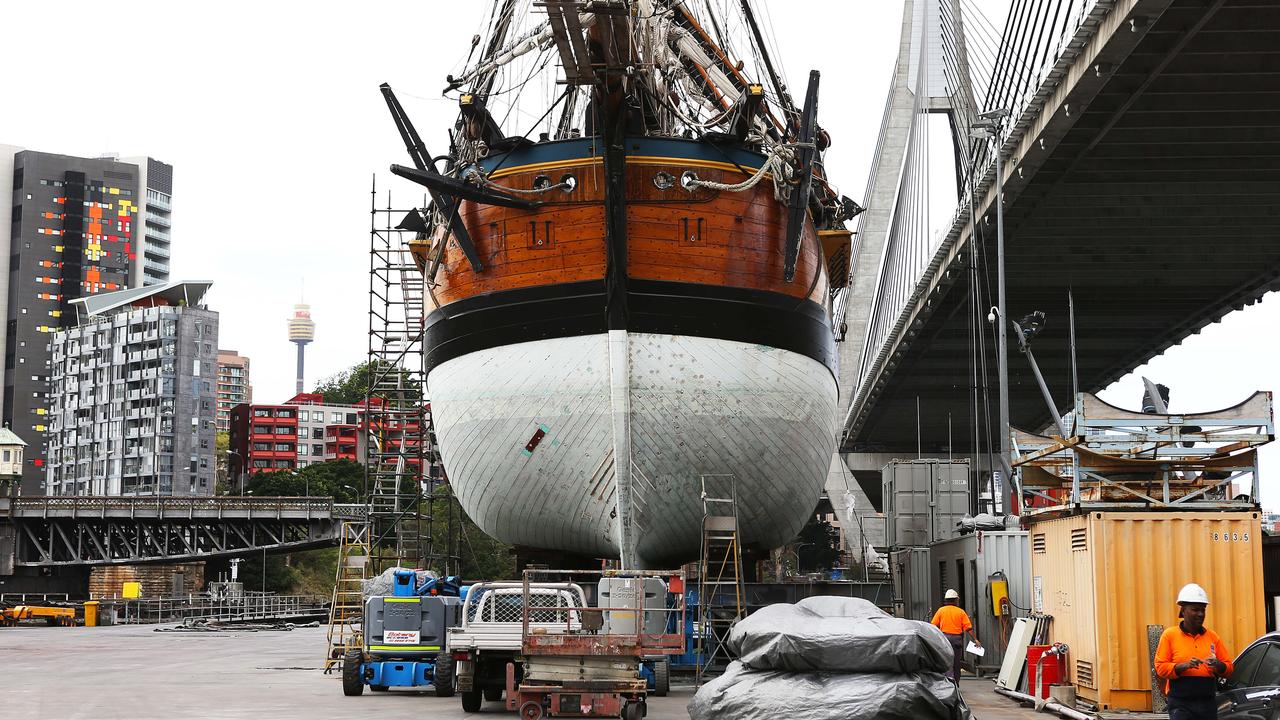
(746, 694)
(384, 583)
(839, 634)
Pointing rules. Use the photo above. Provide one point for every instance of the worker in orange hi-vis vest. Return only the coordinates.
(954, 623)
(1191, 658)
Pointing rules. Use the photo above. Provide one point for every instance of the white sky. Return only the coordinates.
(271, 116)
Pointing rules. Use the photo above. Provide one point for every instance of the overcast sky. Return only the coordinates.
(271, 116)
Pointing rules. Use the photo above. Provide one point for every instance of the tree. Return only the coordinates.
(221, 446)
(339, 479)
(351, 386)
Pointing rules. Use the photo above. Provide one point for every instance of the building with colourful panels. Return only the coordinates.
(75, 228)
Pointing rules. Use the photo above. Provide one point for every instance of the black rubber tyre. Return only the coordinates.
(661, 677)
(443, 679)
(378, 688)
(352, 683)
(633, 711)
(472, 700)
(493, 694)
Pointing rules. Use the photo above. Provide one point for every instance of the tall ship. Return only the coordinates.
(628, 256)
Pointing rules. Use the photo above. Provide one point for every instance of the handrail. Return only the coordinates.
(171, 505)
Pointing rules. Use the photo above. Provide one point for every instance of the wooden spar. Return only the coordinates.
(422, 161)
(729, 67)
(798, 206)
(437, 183)
(495, 42)
(715, 91)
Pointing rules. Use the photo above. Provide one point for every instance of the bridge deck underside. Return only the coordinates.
(1159, 207)
(87, 541)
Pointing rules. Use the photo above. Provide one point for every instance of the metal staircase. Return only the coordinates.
(346, 609)
(721, 596)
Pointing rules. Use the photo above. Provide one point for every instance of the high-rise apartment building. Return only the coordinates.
(72, 228)
(155, 180)
(234, 386)
(132, 398)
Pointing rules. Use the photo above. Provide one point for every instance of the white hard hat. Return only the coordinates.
(1192, 593)
(953, 595)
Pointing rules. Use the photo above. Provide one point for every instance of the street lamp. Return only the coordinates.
(987, 127)
(239, 475)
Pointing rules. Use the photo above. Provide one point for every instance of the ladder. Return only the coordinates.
(346, 609)
(720, 589)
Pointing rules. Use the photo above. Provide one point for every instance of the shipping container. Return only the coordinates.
(912, 593)
(1106, 576)
(968, 564)
(924, 500)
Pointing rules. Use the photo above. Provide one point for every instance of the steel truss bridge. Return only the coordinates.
(89, 531)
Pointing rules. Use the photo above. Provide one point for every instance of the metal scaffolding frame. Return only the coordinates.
(404, 481)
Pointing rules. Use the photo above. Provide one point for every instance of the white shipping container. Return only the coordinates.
(966, 564)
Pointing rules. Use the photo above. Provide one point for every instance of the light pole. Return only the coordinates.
(988, 127)
(239, 475)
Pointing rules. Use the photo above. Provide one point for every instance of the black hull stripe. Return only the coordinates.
(570, 309)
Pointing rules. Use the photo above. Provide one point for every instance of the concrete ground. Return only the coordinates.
(135, 673)
(981, 696)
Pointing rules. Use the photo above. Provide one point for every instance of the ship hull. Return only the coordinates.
(527, 432)
(593, 359)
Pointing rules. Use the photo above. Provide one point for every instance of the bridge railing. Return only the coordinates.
(250, 606)
(169, 506)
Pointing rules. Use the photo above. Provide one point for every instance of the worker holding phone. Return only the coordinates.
(1191, 658)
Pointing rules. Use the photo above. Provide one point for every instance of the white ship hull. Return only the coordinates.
(529, 434)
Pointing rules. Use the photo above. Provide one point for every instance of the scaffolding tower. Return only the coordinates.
(404, 480)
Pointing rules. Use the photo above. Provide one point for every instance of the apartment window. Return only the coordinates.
(302, 416)
(317, 433)
(335, 417)
(284, 430)
(317, 450)
(302, 449)
(351, 418)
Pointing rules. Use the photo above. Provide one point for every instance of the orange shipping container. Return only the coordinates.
(1106, 576)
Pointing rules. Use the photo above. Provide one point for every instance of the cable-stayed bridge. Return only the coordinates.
(1140, 173)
